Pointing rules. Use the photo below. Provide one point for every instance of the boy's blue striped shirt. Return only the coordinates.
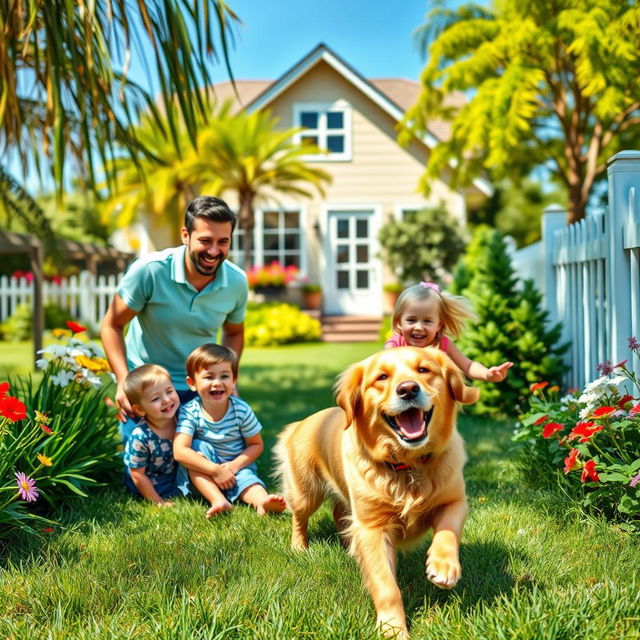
(226, 435)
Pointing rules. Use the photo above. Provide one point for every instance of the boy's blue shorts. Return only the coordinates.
(165, 485)
(244, 478)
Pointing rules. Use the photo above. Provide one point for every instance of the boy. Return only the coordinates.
(218, 436)
(150, 469)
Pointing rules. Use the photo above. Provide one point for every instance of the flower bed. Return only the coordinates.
(57, 438)
(271, 324)
(589, 441)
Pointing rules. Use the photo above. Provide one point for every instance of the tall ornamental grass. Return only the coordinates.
(57, 437)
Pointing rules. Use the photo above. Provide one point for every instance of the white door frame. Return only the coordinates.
(375, 284)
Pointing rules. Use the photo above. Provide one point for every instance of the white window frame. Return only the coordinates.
(322, 131)
(258, 235)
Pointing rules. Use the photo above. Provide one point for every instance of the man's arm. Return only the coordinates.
(112, 334)
(233, 337)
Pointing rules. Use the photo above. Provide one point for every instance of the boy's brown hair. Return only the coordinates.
(208, 354)
(142, 377)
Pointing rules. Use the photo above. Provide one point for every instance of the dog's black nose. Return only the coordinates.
(408, 390)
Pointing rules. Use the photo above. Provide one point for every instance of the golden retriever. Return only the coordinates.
(392, 459)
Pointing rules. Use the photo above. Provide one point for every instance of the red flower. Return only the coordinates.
(537, 386)
(75, 327)
(540, 420)
(589, 471)
(603, 411)
(635, 409)
(624, 401)
(620, 364)
(4, 387)
(586, 430)
(571, 460)
(46, 429)
(12, 409)
(48, 530)
(550, 428)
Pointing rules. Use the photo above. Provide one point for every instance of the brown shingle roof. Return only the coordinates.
(400, 91)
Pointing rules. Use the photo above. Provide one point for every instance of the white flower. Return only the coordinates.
(41, 363)
(62, 379)
(55, 350)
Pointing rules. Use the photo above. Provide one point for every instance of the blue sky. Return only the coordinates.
(374, 36)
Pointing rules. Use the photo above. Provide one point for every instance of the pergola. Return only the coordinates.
(92, 254)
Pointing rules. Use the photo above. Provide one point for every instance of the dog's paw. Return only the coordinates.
(443, 570)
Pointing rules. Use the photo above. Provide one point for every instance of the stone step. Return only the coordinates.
(350, 328)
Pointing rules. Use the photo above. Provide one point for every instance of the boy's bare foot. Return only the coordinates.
(273, 503)
(218, 507)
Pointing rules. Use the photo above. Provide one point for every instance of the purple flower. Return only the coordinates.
(634, 480)
(26, 487)
(605, 368)
(633, 343)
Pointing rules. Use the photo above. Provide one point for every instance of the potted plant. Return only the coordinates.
(311, 295)
(391, 291)
(271, 280)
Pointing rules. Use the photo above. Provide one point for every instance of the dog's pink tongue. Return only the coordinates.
(411, 423)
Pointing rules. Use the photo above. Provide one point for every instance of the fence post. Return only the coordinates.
(623, 175)
(554, 217)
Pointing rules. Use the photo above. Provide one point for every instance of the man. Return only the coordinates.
(177, 299)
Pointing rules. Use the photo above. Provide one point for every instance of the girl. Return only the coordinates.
(424, 314)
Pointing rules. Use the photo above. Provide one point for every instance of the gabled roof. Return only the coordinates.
(392, 95)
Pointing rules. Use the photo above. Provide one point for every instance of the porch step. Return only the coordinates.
(351, 328)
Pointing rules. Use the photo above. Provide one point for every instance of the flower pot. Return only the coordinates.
(312, 300)
(270, 293)
(389, 300)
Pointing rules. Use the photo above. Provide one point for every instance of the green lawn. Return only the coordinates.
(533, 568)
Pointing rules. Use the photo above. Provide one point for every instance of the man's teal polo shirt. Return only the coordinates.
(173, 317)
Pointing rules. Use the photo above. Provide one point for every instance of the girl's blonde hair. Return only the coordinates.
(142, 377)
(454, 310)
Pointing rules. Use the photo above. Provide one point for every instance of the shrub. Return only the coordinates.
(589, 442)
(511, 325)
(424, 245)
(271, 324)
(60, 435)
(19, 326)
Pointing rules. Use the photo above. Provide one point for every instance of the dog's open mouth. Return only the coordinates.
(410, 425)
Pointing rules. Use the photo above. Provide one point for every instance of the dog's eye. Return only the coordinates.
(383, 376)
(423, 370)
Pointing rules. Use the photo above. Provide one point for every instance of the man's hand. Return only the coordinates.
(123, 404)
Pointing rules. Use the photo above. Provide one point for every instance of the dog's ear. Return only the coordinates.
(459, 390)
(348, 390)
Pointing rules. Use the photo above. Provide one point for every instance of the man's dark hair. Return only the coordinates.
(209, 208)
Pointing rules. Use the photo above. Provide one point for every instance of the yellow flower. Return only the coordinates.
(61, 333)
(93, 364)
(42, 418)
(44, 461)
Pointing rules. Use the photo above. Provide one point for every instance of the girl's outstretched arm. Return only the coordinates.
(476, 370)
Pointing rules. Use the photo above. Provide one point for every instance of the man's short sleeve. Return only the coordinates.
(236, 316)
(135, 287)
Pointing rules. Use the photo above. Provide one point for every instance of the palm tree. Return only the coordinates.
(158, 182)
(65, 88)
(245, 153)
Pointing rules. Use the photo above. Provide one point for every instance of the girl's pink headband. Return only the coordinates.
(430, 285)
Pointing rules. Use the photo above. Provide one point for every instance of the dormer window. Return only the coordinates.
(327, 126)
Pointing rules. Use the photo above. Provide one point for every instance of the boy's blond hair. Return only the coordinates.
(207, 354)
(454, 310)
(142, 377)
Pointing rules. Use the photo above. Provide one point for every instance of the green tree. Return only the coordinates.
(247, 154)
(511, 325)
(424, 245)
(65, 88)
(553, 84)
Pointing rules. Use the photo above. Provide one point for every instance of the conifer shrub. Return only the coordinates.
(512, 324)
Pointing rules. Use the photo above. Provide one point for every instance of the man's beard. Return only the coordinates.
(205, 269)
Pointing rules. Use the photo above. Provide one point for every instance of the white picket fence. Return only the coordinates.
(589, 273)
(86, 296)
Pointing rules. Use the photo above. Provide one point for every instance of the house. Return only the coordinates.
(333, 240)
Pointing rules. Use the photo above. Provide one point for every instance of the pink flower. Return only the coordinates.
(634, 480)
(550, 428)
(26, 487)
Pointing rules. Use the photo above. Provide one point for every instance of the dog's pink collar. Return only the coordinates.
(403, 466)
